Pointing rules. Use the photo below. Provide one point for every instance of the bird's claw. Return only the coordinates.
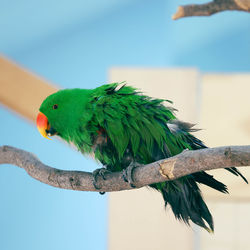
(127, 174)
(99, 172)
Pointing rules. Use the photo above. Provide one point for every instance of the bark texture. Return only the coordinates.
(211, 8)
(167, 169)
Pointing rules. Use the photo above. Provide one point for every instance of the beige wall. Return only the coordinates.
(226, 118)
(220, 105)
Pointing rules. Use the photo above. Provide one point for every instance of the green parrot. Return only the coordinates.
(124, 128)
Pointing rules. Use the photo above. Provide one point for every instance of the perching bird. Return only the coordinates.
(123, 127)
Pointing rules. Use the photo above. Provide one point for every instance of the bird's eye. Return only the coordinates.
(55, 106)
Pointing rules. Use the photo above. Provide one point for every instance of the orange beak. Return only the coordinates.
(42, 125)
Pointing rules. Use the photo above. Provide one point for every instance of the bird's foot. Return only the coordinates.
(127, 174)
(99, 172)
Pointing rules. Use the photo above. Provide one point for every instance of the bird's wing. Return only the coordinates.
(130, 118)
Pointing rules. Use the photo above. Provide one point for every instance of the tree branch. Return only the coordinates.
(211, 8)
(167, 169)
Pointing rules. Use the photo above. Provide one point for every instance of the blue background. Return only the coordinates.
(74, 44)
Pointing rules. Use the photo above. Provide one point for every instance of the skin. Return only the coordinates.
(122, 127)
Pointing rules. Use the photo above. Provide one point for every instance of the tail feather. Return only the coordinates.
(207, 179)
(236, 172)
(183, 195)
(185, 199)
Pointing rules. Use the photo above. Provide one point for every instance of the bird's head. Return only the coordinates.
(63, 112)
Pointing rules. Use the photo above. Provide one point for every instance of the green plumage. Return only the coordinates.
(120, 126)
